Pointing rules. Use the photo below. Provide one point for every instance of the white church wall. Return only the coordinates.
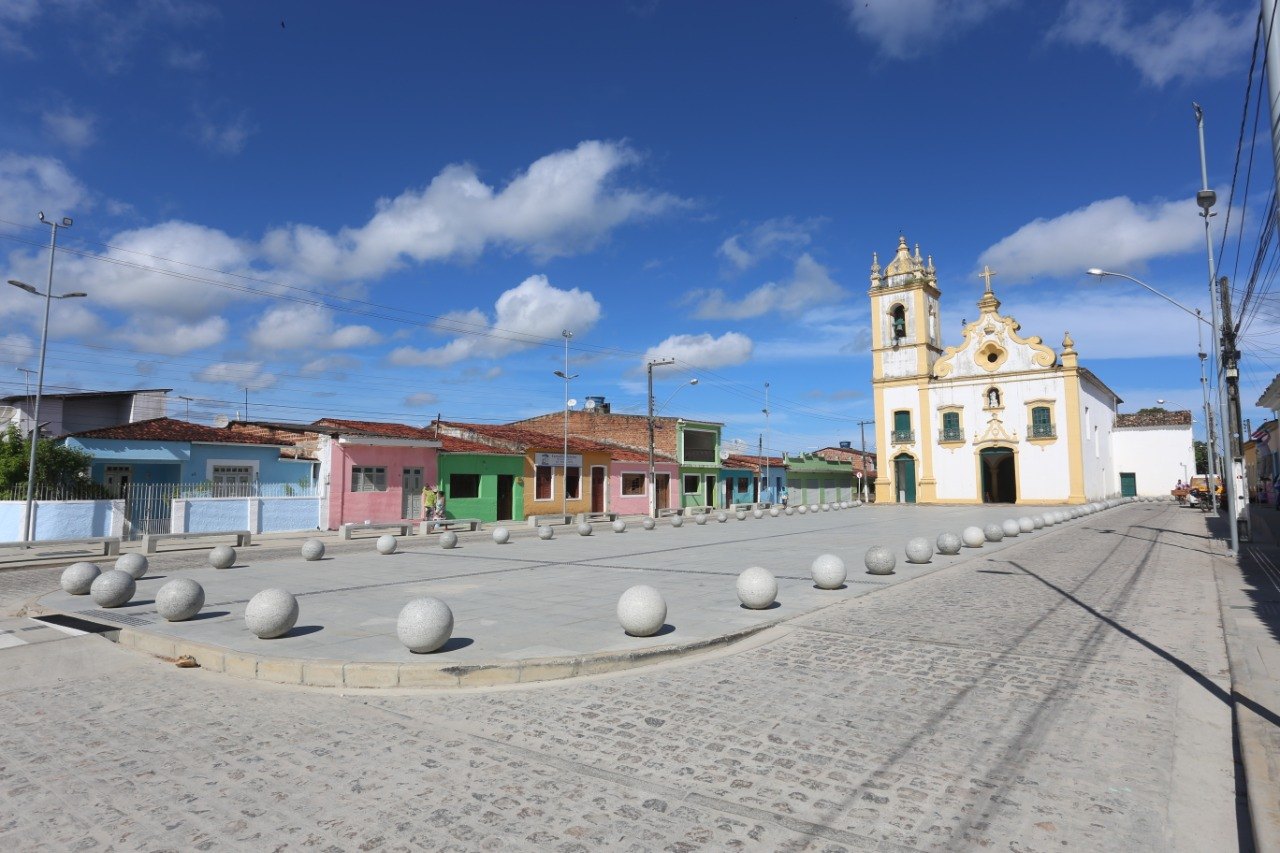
(1097, 415)
(1158, 456)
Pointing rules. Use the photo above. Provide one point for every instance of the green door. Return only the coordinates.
(904, 478)
(1128, 485)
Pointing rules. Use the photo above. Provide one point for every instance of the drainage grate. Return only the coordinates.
(118, 618)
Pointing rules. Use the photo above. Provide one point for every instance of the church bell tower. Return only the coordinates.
(905, 335)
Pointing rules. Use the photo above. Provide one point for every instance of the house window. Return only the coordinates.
(692, 484)
(744, 483)
(633, 484)
(1041, 422)
(699, 446)
(239, 475)
(902, 427)
(573, 482)
(464, 485)
(542, 483)
(368, 479)
(951, 427)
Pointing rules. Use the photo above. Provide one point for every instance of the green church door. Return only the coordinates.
(904, 478)
(1128, 485)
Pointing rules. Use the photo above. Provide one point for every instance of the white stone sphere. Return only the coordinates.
(1037, 521)
(112, 589)
(584, 529)
(619, 526)
(545, 532)
(312, 550)
(677, 521)
(802, 509)
(879, 560)
(826, 507)
(993, 532)
(448, 539)
(919, 550)
(722, 517)
(700, 518)
(973, 537)
(134, 564)
(501, 535)
(741, 515)
(789, 510)
(828, 572)
(758, 513)
(642, 611)
(949, 543)
(77, 578)
(271, 613)
(222, 557)
(179, 599)
(424, 625)
(1011, 527)
(386, 544)
(757, 588)
(813, 508)
(774, 512)
(649, 523)
(1025, 524)
(857, 503)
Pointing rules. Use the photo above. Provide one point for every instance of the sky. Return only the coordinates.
(389, 211)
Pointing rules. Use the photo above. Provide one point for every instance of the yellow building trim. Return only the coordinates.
(1072, 433)
(883, 484)
(927, 491)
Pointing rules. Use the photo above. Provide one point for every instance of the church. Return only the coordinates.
(999, 418)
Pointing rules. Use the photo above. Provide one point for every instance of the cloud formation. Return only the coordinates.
(30, 184)
(175, 338)
(524, 316)
(288, 327)
(1115, 233)
(903, 29)
(74, 130)
(1188, 43)
(241, 374)
(745, 250)
(563, 203)
(228, 136)
(703, 350)
(810, 285)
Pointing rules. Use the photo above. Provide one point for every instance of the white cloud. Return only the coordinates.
(307, 327)
(906, 28)
(774, 235)
(14, 15)
(1115, 233)
(243, 374)
(810, 285)
(32, 184)
(224, 137)
(332, 366)
(16, 349)
(703, 351)
(1194, 41)
(422, 398)
(564, 202)
(528, 314)
(74, 130)
(173, 338)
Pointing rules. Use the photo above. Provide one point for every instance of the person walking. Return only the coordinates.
(440, 505)
(428, 502)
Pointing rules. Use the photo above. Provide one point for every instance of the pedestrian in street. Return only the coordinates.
(428, 502)
(440, 504)
(783, 497)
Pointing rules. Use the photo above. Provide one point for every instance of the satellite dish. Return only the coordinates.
(571, 402)
(221, 421)
(724, 454)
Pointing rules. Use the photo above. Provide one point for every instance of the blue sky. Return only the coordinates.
(391, 210)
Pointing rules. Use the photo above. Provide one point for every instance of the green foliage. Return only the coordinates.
(1151, 410)
(1202, 457)
(56, 464)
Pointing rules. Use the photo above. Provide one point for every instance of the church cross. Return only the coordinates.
(986, 273)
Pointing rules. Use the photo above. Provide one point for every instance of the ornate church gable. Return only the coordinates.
(992, 345)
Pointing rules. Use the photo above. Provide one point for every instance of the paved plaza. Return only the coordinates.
(1068, 689)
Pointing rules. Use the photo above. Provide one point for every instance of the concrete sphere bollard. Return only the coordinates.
(722, 517)
(584, 529)
(700, 518)
(813, 508)
(677, 521)
(77, 578)
(448, 539)
(919, 550)
(879, 560)
(773, 512)
(825, 507)
(757, 588)
(222, 557)
(501, 535)
(312, 550)
(973, 537)
(790, 510)
(642, 611)
(1025, 524)
(386, 544)
(271, 613)
(802, 509)
(1011, 527)
(949, 543)
(134, 564)
(545, 532)
(857, 503)
(993, 532)
(741, 515)
(619, 526)
(649, 523)
(179, 599)
(758, 513)
(112, 589)
(828, 572)
(1037, 521)
(424, 625)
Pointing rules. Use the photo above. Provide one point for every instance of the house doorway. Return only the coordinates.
(411, 493)
(1128, 485)
(662, 486)
(506, 491)
(728, 491)
(710, 491)
(116, 479)
(904, 478)
(999, 476)
(597, 488)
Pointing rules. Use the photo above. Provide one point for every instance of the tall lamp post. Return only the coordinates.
(764, 451)
(28, 527)
(1211, 480)
(564, 459)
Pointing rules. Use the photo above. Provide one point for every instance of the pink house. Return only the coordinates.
(629, 480)
(376, 471)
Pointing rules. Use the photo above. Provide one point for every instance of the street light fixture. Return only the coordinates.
(28, 523)
(564, 459)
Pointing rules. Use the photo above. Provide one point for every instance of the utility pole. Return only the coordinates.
(1235, 444)
(187, 400)
(653, 494)
(862, 481)
(766, 429)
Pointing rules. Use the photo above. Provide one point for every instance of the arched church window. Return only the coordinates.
(898, 321)
(993, 398)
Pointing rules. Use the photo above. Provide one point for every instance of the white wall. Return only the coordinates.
(1156, 455)
(1097, 418)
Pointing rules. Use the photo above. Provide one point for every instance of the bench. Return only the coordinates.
(110, 544)
(591, 517)
(698, 510)
(345, 530)
(151, 540)
(436, 525)
(539, 520)
(666, 511)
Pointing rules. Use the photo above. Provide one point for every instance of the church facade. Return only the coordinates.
(999, 418)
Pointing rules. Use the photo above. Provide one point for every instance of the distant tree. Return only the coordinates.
(1202, 457)
(1151, 410)
(56, 464)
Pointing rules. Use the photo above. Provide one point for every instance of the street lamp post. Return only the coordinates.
(564, 459)
(764, 451)
(653, 477)
(1211, 479)
(28, 526)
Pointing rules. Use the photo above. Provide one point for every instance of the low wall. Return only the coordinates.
(258, 515)
(63, 519)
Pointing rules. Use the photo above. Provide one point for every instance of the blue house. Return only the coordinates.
(747, 479)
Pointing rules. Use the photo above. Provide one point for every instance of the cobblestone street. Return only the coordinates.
(1068, 692)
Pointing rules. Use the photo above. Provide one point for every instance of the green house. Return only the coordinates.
(698, 452)
(814, 480)
(480, 481)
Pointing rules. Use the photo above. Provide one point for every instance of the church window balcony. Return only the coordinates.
(950, 435)
(904, 436)
(1035, 430)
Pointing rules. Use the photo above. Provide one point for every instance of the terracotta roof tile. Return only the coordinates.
(380, 429)
(168, 429)
(451, 444)
(752, 463)
(1154, 419)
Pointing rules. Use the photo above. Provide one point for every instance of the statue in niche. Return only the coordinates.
(993, 398)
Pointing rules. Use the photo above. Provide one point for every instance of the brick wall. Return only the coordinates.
(629, 430)
(306, 442)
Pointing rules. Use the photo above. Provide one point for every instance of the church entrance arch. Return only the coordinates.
(904, 477)
(999, 476)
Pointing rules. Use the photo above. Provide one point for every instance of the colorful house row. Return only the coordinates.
(748, 479)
